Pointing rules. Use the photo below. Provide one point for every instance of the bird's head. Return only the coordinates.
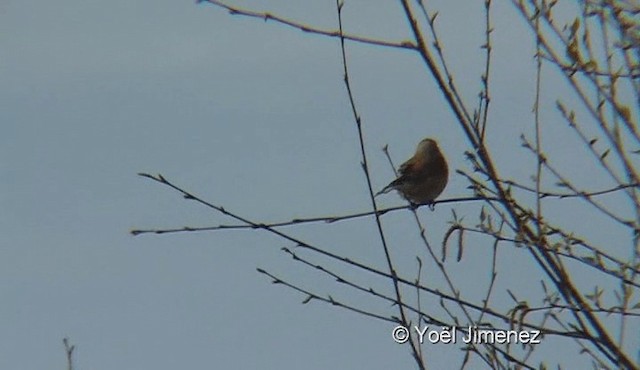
(427, 146)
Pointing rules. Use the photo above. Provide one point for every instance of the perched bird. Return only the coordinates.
(423, 177)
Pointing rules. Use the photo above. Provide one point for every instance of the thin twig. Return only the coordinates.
(266, 16)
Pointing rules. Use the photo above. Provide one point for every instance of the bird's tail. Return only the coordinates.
(385, 190)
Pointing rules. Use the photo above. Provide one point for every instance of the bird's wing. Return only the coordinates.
(404, 167)
(393, 183)
(408, 168)
(406, 171)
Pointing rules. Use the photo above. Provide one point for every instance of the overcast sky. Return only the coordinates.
(249, 115)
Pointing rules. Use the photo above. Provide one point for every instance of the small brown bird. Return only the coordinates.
(423, 177)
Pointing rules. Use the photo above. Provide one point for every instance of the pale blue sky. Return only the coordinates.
(248, 115)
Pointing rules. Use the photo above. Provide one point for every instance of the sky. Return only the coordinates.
(249, 115)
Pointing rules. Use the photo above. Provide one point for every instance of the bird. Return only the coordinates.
(423, 177)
